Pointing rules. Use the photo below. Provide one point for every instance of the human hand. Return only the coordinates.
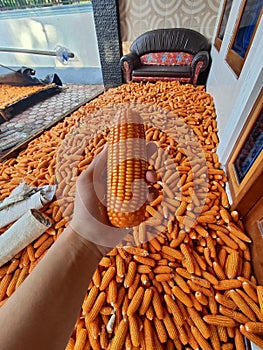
(90, 219)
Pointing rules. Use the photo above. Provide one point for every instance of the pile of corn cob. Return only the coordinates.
(11, 94)
(184, 288)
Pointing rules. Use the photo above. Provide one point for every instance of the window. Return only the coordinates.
(250, 150)
(244, 167)
(222, 24)
(250, 14)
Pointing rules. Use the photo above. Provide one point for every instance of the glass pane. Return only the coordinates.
(225, 19)
(251, 149)
(247, 25)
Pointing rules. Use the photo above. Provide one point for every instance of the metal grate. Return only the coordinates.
(22, 4)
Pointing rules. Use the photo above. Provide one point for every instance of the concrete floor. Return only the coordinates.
(43, 113)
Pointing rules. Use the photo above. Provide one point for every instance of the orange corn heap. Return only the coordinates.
(126, 168)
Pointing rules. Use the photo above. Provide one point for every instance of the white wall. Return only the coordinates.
(46, 28)
(234, 96)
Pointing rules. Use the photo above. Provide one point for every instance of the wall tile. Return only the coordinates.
(139, 16)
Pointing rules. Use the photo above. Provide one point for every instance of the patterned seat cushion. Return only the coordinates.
(167, 58)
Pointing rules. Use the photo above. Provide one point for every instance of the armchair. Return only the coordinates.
(167, 54)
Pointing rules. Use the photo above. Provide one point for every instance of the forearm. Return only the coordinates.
(41, 314)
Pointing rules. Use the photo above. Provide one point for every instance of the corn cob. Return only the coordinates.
(120, 266)
(174, 309)
(150, 313)
(253, 306)
(160, 330)
(260, 297)
(4, 285)
(96, 307)
(239, 340)
(235, 315)
(200, 339)
(222, 333)
(242, 305)
(129, 278)
(157, 304)
(81, 340)
(90, 299)
(112, 292)
(12, 267)
(12, 284)
(119, 338)
(254, 327)
(23, 274)
(126, 168)
(170, 326)
(219, 320)
(225, 301)
(108, 276)
(133, 288)
(251, 336)
(70, 345)
(134, 330)
(199, 323)
(104, 341)
(148, 334)
(146, 301)
(250, 291)
(136, 301)
(214, 338)
(106, 310)
(182, 296)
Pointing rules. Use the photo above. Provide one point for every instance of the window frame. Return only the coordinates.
(218, 41)
(235, 61)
